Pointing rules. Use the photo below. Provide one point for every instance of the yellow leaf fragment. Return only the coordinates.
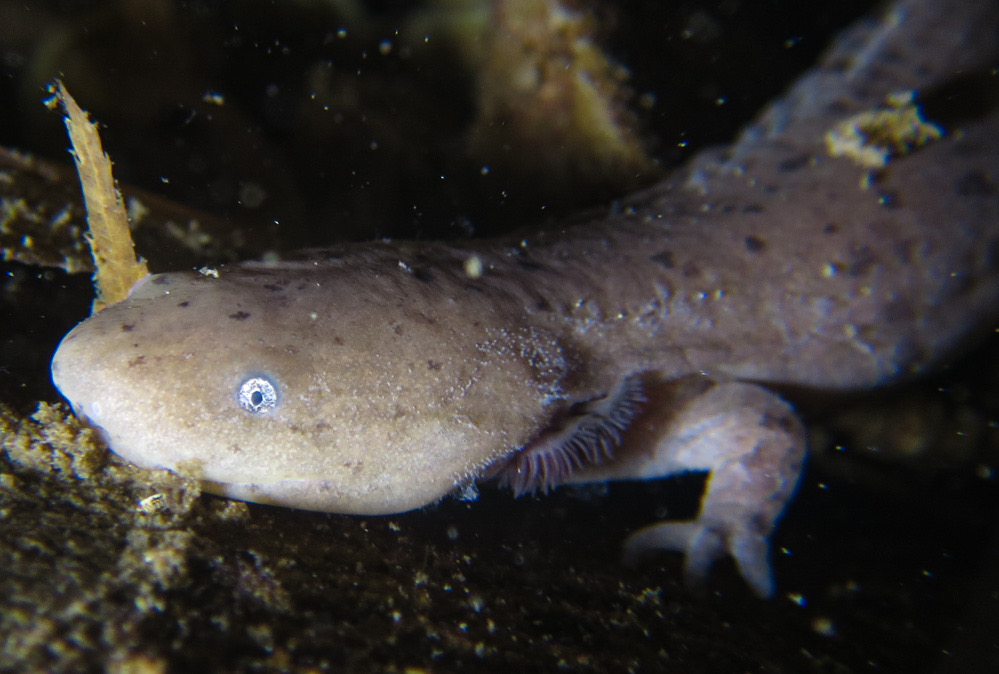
(110, 237)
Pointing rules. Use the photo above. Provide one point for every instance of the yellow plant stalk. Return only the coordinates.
(110, 237)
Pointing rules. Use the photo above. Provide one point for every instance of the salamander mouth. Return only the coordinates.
(318, 495)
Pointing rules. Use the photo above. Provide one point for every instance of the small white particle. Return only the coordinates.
(213, 97)
(473, 267)
(824, 626)
(153, 504)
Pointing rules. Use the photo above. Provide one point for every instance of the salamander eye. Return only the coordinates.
(257, 395)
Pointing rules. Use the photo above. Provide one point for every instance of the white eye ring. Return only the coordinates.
(257, 395)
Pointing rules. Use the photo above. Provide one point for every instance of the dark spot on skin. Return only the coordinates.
(301, 286)
(830, 228)
(543, 305)
(864, 260)
(755, 244)
(777, 421)
(752, 208)
(956, 284)
(868, 90)
(322, 425)
(728, 208)
(885, 229)
(905, 250)
(273, 287)
(137, 361)
(794, 163)
(975, 184)
(127, 327)
(329, 255)
(899, 310)
(185, 303)
(239, 316)
(433, 365)
(161, 281)
(338, 340)
(690, 269)
(892, 55)
(423, 275)
(909, 354)
(472, 287)
(664, 259)
(839, 64)
(841, 106)
(877, 176)
(529, 265)
(354, 467)
(397, 329)
(889, 199)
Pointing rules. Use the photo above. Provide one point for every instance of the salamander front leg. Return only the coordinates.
(753, 444)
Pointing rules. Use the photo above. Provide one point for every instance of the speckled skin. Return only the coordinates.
(404, 373)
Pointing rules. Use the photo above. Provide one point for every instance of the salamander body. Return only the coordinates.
(632, 344)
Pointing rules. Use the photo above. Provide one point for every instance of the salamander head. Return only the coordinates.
(336, 394)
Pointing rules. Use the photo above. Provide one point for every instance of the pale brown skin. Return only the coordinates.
(631, 345)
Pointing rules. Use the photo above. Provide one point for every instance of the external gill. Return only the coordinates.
(587, 433)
